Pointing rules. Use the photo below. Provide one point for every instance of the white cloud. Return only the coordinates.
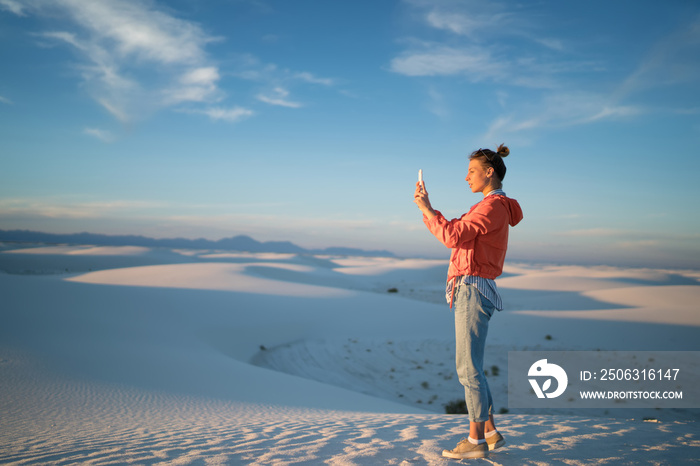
(231, 115)
(201, 76)
(66, 37)
(478, 44)
(481, 21)
(560, 109)
(687, 111)
(597, 232)
(507, 125)
(468, 23)
(278, 80)
(478, 63)
(138, 30)
(102, 75)
(252, 68)
(249, 67)
(195, 85)
(669, 62)
(278, 96)
(464, 53)
(640, 244)
(437, 105)
(136, 59)
(550, 43)
(115, 110)
(71, 209)
(310, 78)
(100, 134)
(444, 61)
(13, 6)
(614, 111)
(5, 100)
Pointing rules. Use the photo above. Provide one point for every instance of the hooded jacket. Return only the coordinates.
(479, 238)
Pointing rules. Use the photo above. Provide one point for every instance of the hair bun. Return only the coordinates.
(503, 151)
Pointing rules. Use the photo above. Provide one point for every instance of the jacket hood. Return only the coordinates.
(515, 213)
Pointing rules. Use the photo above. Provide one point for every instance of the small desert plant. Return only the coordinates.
(456, 407)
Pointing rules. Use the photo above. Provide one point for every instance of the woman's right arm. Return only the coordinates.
(420, 197)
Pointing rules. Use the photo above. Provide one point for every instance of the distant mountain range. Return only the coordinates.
(235, 243)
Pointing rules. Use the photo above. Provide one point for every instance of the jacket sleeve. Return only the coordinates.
(460, 230)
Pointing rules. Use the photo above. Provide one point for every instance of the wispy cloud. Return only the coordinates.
(630, 236)
(668, 62)
(591, 232)
(5, 100)
(483, 63)
(102, 135)
(310, 78)
(439, 60)
(130, 51)
(138, 30)
(13, 6)
(195, 85)
(278, 96)
(467, 19)
(436, 104)
(483, 21)
(135, 58)
(560, 109)
(477, 45)
(250, 67)
(473, 40)
(277, 81)
(71, 209)
(231, 115)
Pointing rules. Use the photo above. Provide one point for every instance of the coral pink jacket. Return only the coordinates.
(479, 238)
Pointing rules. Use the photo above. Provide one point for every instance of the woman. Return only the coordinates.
(478, 240)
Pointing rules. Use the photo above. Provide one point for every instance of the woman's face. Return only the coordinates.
(477, 176)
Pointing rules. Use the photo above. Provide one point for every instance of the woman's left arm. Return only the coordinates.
(478, 221)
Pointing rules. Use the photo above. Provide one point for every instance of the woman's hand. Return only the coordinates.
(420, 197)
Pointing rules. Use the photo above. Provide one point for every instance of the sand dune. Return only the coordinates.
(131, 355)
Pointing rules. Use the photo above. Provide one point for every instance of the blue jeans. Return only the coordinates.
(472, 315)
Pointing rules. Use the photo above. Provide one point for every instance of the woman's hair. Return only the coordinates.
(489, 158)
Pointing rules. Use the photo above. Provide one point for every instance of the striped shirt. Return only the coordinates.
(486, 286)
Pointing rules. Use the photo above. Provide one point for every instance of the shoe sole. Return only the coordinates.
(499, 444)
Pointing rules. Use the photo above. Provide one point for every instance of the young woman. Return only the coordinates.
(478, 240)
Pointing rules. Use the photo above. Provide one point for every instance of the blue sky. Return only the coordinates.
(308, 121)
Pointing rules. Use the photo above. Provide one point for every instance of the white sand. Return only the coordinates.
(132, 355)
